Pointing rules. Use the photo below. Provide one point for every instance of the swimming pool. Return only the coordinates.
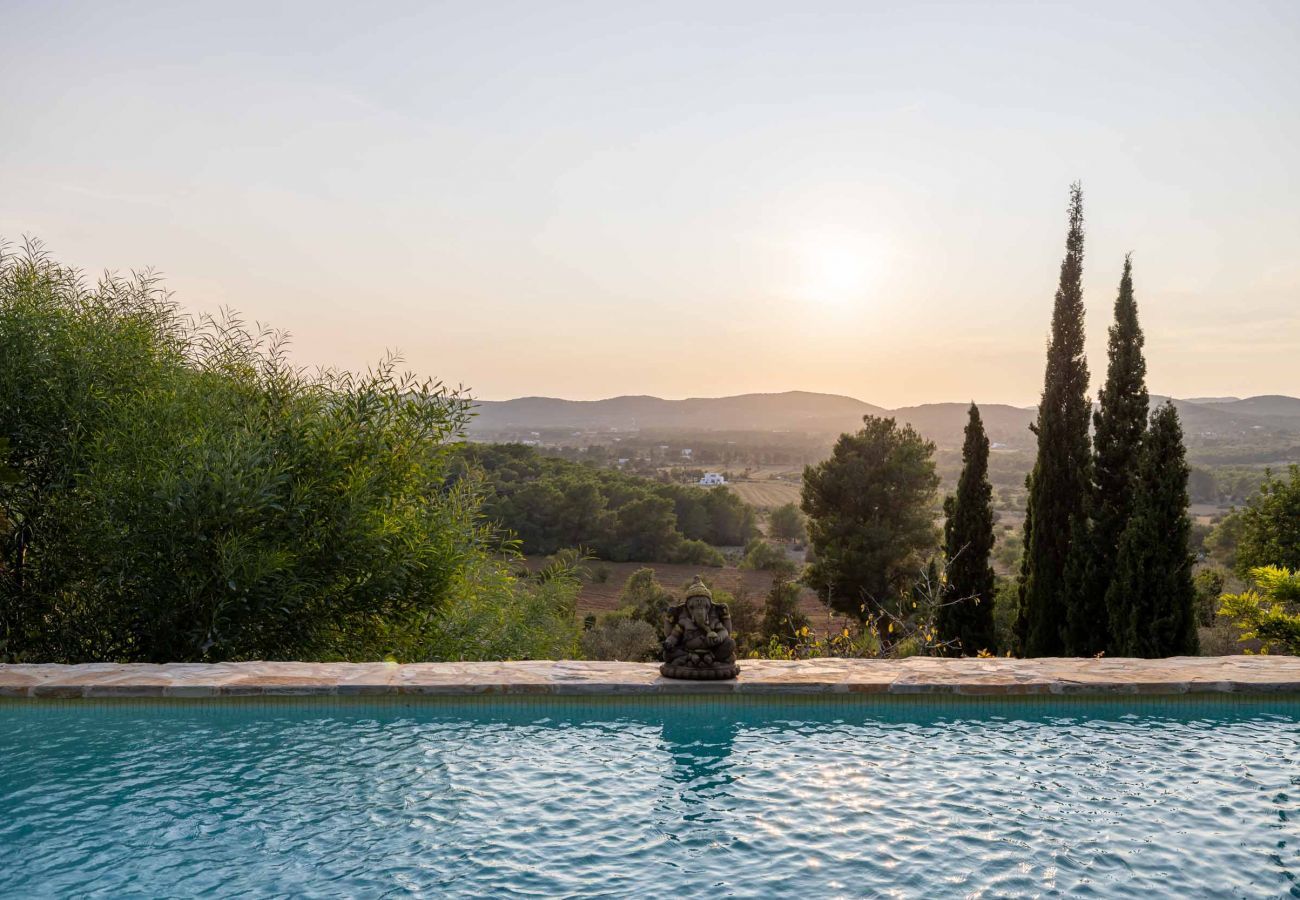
(684, 797)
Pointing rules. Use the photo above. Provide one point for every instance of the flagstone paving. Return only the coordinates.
(916, 675)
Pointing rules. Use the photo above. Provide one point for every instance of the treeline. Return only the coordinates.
(550, 504)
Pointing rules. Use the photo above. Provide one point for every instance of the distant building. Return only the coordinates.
(686, 454)
(712, 478)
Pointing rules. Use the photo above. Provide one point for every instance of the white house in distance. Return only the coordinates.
(712, 478)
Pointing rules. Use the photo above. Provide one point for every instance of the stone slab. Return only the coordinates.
(917, 675)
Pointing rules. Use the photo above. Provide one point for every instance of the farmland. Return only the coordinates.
(766, 494)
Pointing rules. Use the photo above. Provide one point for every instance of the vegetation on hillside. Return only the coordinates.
(549, 504)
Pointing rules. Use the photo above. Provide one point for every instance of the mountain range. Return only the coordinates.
(1212, 418)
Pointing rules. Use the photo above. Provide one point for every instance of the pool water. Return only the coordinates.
(693, 797)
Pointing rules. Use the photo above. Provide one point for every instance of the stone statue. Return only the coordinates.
(698, 642)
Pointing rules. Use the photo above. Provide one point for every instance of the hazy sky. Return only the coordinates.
(690, 199)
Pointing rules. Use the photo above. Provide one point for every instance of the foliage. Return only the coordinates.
(1270, 611)
(1056, 522)
(1270, 525)
(184, 493)
(698, 553)
(869, 511)
(1152, 591)
(551, 503)
(1208, 584)
(620, 638)
(644, 598)
(787, 523)
(1119, 424)
(1006, 602)
(966, 619)
(746, 621)
(490, 615)
(782, 619)
(759, 554)
(1221, 542)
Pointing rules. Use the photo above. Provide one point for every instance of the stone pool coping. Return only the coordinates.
(917, 675)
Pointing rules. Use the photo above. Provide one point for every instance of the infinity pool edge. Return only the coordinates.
(917, 675)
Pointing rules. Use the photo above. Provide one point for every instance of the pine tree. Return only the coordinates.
(1060, 481)
(1118, 427)
(1153, 577)
(966, 616)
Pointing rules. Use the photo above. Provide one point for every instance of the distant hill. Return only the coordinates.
(1206, 419)
(790, 411)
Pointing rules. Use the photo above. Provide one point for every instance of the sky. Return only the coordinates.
(680, 199)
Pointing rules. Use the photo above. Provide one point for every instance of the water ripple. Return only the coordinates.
(552, 799)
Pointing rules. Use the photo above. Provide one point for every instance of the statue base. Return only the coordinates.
(700, 673)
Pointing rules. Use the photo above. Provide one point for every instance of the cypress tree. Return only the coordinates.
(1060, 481)
(1153, 584)
(966, 616)
(1118, 426)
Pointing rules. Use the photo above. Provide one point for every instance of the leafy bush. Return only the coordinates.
(623, 639)
(644, 598)
(1270, 611)
(490, 615)
(783, 621)
(698, 553)
(181, 492)
(761, 555)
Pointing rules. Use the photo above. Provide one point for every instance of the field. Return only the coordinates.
(598, 597)
(766, 494)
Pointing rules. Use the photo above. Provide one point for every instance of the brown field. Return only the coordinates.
(598, 597)
(766, 494)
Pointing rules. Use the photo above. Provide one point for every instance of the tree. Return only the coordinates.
(869, 516)
(1152, 588)
(786, 523)
(1270, 526)
(965, 618)
(1055, 558)
(782, 618)
(1119, 424)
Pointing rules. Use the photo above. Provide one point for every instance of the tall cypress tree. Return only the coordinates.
(1152, 584)
(966, 615)
(1062, 474)
(1118, 426)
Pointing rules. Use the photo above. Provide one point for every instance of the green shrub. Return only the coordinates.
(759, 554)
(698, 553)
(1269, 612)
(182, 492)
(622, 639)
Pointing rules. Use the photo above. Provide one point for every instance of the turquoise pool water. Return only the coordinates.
(688, 798)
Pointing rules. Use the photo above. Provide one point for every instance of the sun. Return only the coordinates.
(836, 268)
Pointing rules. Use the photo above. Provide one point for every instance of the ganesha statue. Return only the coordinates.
(698, 642)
